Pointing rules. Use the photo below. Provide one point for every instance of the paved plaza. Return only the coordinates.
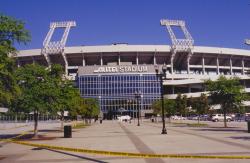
(128, 137)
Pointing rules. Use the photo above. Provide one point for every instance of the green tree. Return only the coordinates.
(12, 32)
(64, 96)
(36, 90)
(169, 106)
(229, 93)
(92, 108)
(181, 104)
(200, 104)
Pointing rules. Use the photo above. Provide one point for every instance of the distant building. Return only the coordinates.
(113, 73)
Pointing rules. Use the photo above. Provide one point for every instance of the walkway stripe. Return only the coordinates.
(140, 145)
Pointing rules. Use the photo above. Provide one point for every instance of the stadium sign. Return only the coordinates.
(121, 69)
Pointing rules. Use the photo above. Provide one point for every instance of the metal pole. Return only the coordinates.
(164, 131)
(138, 124)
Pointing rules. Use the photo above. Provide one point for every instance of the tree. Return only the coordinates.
(91, 108)
(12, 31)
(181, 104)
(36, 90)
(229, 93)
(64, 96)
(169, 105)
(200, 104)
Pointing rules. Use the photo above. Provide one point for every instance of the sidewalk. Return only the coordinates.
(128, 137)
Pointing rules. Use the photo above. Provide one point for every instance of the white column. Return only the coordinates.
(203, 65)
(218, 65)
(155, 58)
(83, 60)
(231, 66)
(137, 59)
(189, 89)
(18, 63)
(188, 59)
(101, 60)
(243, 66)
(172, 89)
(172, 62)
(188, 69)
(119, 59)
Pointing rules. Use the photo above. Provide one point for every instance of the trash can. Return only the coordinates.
(67, 131)
(152, 120)
(101, 121)
(248, 126)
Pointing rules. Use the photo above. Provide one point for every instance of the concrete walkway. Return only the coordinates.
(128, 137)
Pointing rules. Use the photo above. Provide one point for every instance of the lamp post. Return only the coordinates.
(162, 75)
(137, 96)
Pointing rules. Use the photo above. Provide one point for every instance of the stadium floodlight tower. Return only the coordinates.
(247, 41)
(57, 47)
(179, 45)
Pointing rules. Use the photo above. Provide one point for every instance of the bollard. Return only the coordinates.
(101, 121)
(248, 126)
(67, 131)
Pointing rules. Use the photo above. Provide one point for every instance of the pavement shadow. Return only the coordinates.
(221, 129)
(8, 136)
(51, 130)
(74, 155)
(247, 138)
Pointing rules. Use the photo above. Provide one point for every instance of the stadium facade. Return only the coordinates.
(113, 73)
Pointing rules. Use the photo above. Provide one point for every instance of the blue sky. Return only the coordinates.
(221, 23)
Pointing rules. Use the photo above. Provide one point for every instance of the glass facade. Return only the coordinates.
(116, 92)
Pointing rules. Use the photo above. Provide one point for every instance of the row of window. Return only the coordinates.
(118, 91)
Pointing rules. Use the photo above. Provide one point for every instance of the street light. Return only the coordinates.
(138, 96)
(162, 75)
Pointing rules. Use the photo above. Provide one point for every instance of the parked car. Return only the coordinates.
(220, 117)
(175, 117)
(239, 117)
(205, 117)
(247, 117)
(124, 118)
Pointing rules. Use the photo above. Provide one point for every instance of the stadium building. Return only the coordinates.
(114, 73)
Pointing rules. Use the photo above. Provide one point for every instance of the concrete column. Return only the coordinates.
(18, 63)
(172, 62)
(172, 89)
(231, 66)
(66, 70)
(188, 60)
(137, 59)
(101, 60)
(188, 68)
(83, 60)
(33, 60)
(119, 59)
(154, 59)
(203, 65)
(189, 89)
(218, 65)
(243, 66)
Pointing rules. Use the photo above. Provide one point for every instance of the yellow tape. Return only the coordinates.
(128, 154)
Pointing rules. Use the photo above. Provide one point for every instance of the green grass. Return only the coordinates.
(190, 124)
(196, 125)
(79, 125)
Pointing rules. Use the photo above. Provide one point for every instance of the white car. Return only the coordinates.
(220, 117)
(124, 118)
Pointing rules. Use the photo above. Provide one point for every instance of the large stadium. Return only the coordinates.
(115, 74)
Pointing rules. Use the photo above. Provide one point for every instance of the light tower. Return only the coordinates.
(57, 47)
(247, 41)
(179, 45)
